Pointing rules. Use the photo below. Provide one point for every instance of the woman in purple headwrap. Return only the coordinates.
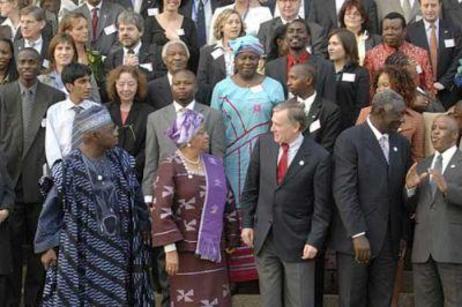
(194, 218)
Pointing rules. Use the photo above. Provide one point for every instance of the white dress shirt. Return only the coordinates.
(428, 30)
(338, 5)
(179, 108)
(91, 7)
(136, 49)
(447, 156)
(294, 146)
(37, 44)
(411, 3)
(58, 133)
(308, 102)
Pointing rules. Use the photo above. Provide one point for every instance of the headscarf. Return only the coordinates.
(246, 43)
(185, 127)
(89, 120)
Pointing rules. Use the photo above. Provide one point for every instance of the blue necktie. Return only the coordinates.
(200, 23)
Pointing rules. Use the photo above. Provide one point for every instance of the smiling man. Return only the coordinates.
(60, 117)
(394, 32)
(23, 106)
(435, 188)
(297, 36)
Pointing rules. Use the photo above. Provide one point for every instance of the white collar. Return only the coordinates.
(84, 104)
(37, 42)
(448, 153)
(169, 77)
(178, 107)
(136, 49)
(297, 142)
(308, 100)
(377, 133)
(285, 21)
(428, 24)
(91, 7)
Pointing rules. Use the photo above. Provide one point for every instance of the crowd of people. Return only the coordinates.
(188, 147)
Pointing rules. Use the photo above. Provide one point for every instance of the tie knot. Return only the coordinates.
(77, 109)
(131, 51)
(94, 10)
(285, 146)
(432, 26)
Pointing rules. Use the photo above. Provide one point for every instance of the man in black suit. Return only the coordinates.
(322, 117)
(23, 106)
(446, 51)
(286, 210)
(289, 10)
(325, 13)
(435, 188)
(132, 52)
(297, 37)
(32, 24)
(371, 161)
(175, 55)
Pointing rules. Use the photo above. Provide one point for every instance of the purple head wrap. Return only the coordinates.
(185, 126)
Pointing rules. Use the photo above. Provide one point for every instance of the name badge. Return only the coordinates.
(315, 126)
(110, 29)
(147, 66)
(180, 32)
(449, 43)
(153, 11)
(347, 77)
(418, 69)
(217, 53)
(43, 124)
(256, 89)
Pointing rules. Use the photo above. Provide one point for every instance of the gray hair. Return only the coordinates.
(388, 100)
(174, 42)
(451, 121)
(37, 12)
(295, 112)
(130, 17)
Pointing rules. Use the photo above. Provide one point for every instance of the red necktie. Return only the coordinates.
(94, 22)
(283, 162)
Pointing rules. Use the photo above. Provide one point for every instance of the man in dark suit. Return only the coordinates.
(443, 42)
(132, 52)
(325, 13)
(290, 11)
(32, 24)
(286, 210)
(371, 161)
(158, 146)
(23, 105)
(435, 187)
(175, 55)
(322, 117)
(297, 37)
(6, 208)
(102, 17)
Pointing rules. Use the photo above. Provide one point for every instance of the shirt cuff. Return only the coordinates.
(358, 235)
(148, 199)
(170, 248)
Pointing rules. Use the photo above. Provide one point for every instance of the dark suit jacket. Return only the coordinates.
(25, 161)
(210, 71)
(373, 40)
(297, 211)
(132, 134)
(438, 220)
(327, 114)
(324, 13)
(318, 35)
(116, 58)
(452, 10)
(186, 7)
(19, 45)
(159, 93)
(448, 57)
(352, 95)
(368, 191)
(107, 17)
(325, 75)
(6, 202)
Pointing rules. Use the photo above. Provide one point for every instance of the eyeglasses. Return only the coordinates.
(353, 15)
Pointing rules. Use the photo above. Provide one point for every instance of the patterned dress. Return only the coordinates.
(176, 218)
(247, 115)
(97, 265)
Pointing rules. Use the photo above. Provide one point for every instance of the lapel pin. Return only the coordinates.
(453, 166)
(301, 163)
(395, 149)
(314, 116)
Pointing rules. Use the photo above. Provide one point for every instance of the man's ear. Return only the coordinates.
(42, 24)
(69, 87)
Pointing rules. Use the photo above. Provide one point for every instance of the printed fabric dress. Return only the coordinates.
(96, 229)
(177, 217)
(247, 115)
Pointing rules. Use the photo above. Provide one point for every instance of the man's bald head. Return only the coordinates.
(444, 133)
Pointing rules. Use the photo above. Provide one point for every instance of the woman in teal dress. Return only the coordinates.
(246, 100)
